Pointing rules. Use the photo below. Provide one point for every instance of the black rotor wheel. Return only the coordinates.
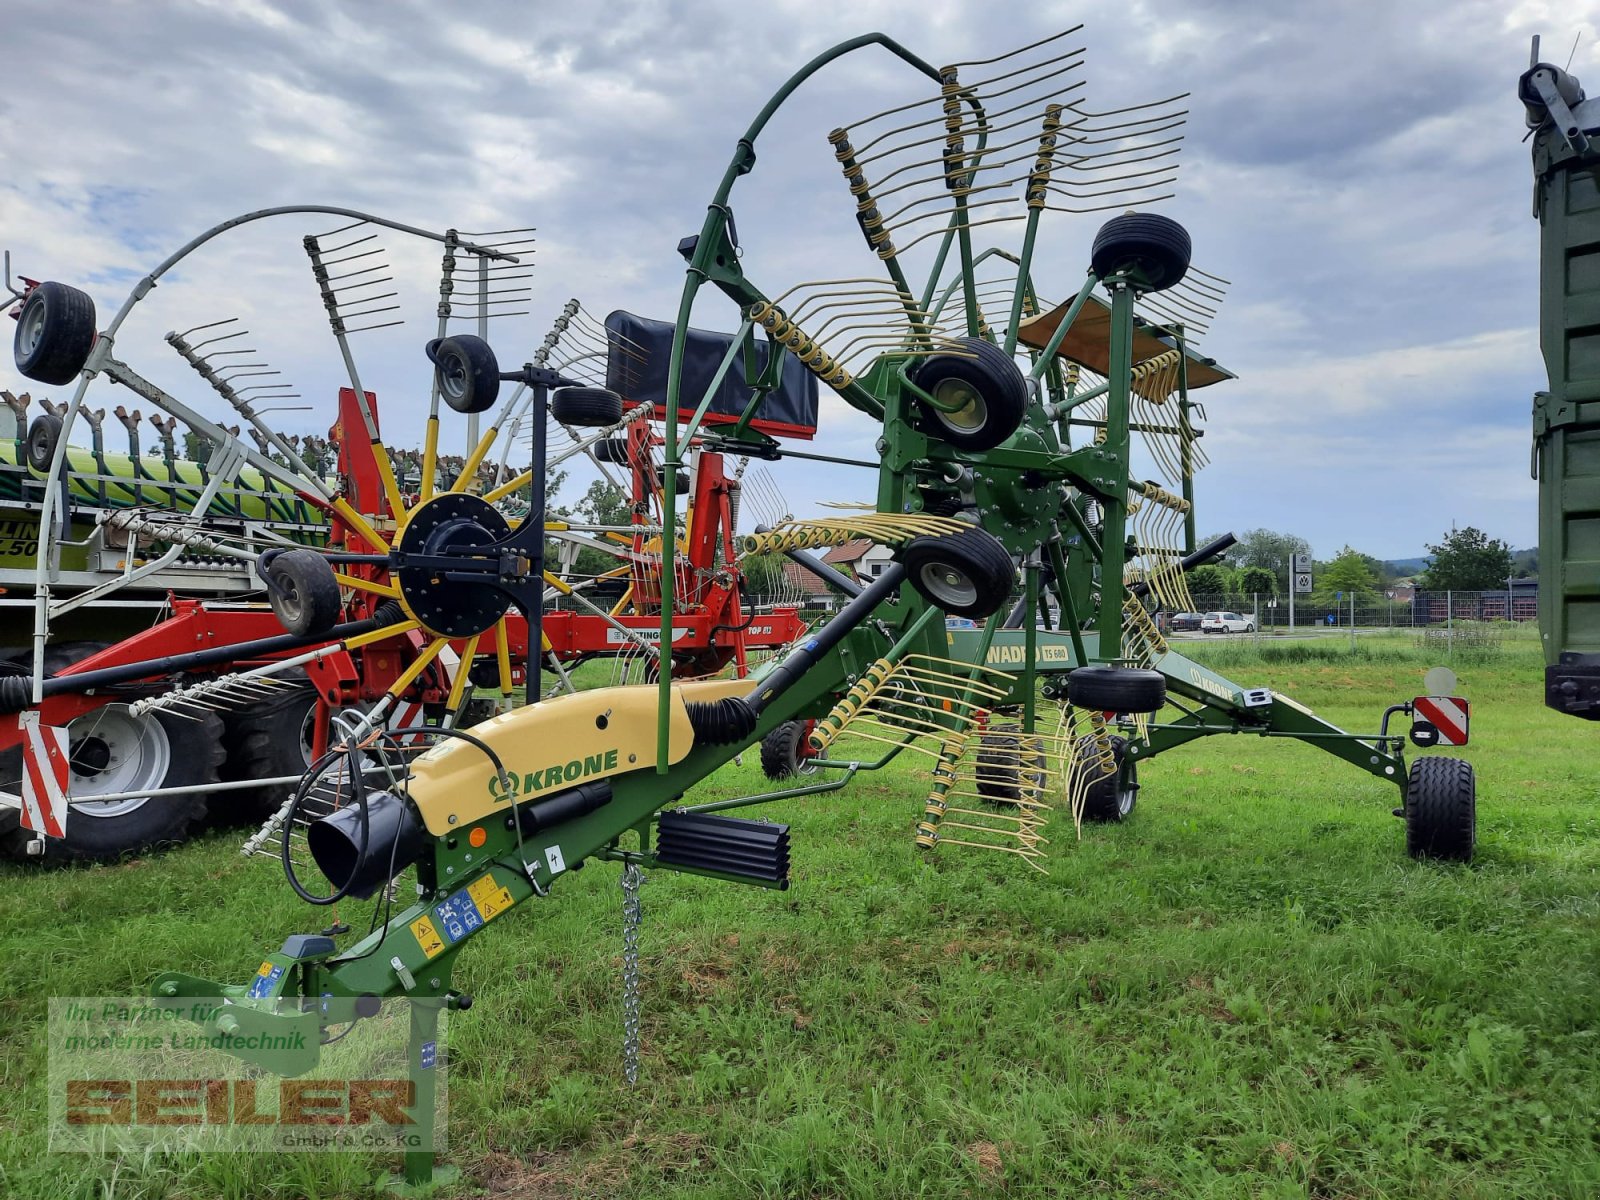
(586, 406)
(40, 448)
(967, 574)
(987, 385)
(55, 332)
(303, 592)
(1117, 689)
(1112, 794)
(1153, 249)
(466, 372)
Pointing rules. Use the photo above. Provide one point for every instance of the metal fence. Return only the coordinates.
(1376, 610)
(1362, 610)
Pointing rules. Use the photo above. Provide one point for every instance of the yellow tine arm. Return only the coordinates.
(503, 649)
(409, 675)
(475, 460)
(366, 585)
(391, 489)
(430, 457)
(378, 635)
(505, 489)
(360, 524)
(459, 687)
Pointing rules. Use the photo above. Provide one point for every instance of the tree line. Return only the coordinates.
(1258, 564)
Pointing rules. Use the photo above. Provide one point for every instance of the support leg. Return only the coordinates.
(420, 1174)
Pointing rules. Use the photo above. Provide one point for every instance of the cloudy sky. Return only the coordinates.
(1355, 169)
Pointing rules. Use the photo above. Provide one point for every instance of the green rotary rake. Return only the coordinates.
(1034, 479)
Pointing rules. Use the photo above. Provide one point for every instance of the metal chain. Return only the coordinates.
(632, 914)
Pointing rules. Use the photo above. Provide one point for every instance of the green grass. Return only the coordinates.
(1246, 990)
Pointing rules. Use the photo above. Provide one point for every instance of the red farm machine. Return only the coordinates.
(203, 626)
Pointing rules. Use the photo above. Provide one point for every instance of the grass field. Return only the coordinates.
(1246, 990)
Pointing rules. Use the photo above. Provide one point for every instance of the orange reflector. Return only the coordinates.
(478, 836)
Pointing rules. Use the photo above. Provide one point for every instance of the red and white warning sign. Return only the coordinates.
(1448, 714)
(44, 776)
(406, 714)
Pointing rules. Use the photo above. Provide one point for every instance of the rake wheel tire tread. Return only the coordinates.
(588, 407)
(312, 603)
(1117, 689)
(262, 741)
(40, 448)
(65, 319)
(992, 372)
(975, 553)
(466, 372)
(1441, 809)
(1108, 800)
(782, 750)
(999, 774)
(1157, 247)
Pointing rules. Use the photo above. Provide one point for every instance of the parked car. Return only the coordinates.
(1226, 622)
(1184, 622)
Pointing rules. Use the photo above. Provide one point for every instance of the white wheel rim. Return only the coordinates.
(112, 751)
(453, 378)
(973, 413)
(949, 586)
(31, 332)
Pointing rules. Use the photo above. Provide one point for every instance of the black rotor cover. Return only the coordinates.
(446, 601)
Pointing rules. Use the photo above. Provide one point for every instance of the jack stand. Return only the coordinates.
(420, 1175)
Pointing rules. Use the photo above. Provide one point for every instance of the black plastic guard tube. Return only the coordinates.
(82, 681)
(1204, 554)
(829, 575)
(830, 635)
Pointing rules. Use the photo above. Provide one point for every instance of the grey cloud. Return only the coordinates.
(1355, 169)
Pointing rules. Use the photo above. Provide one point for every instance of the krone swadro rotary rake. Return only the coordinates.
(1007, 499)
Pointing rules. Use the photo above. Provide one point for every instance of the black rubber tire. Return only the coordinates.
(611, 450)
(466, 372)
(476, 712)
(586, 406)
(941, 506)
(265, 741)
(195, 749)
(1000, 774)
(55, 332)
(1111, 797)
(40, 448)
(303, 592)
(1000, 393)
(59, 657)
(967, 574)
(1117, 689)
(1154, 247)
(784, 751)
(1441, 809)
(683, 480)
